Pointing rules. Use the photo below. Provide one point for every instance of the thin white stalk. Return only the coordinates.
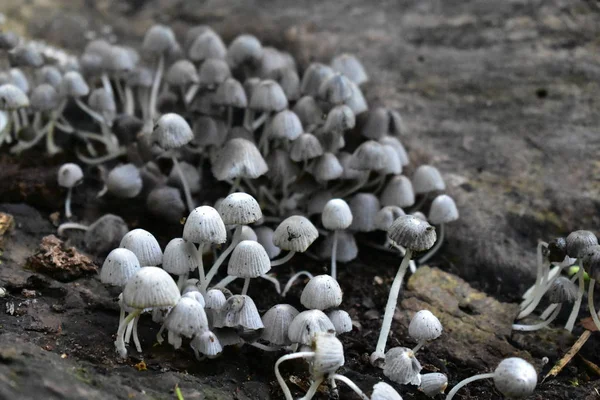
(351, 385)
(128, 332)
(540, 272)
(184, 183)
(225, 281)
(293, 279)
(419, 345)
(155, 86)
(120, 343)
(466, 382)
(70, 225)
(573, 316)
(136, 339)
(100, 160)
(312, 390)
(215, 267)
(129, 100)
(591, 305)
(334, 255)
(553, 306)
(159, 337)
(265, 347)
(68, 213)
(246, 286)
(540, 325)
(274, 281)
(283, 260)
(280, 380)
(200, 261)
(96, 116)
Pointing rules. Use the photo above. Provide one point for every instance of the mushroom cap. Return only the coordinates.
(150, 287)
(339, 119)
(288, 79)
(102, 101)
(433, 383)
(105, 234)
(214, 71)
(364, 208)
(443, 210)
(19, 79)
(159, 39)
(204, 225)
(166, 202)
(179, 257)
(207, 45)
(313, 78)
(172, 131)
(277, 321)
(327, 168)
(305, 147)
(240, 311)
(124, 181)
(239, 208)
(377, 124)
(231, 93)
(427, 179)
(140, 77)
(208, 132)
(309, 112)
(12, 98)
(336, 215)
(357, 102)
(515, 378)
(562, 290)
(336, 89)
(73, 85)
(191, 291)
(307, 324)
(281, 167)
(413, 233)
(591, 261)
(386, 217)
(401, 366)
(50, 75)
(187, 318)
(557, 249)
(579, 241)
(295, 233)
(425, 326)
(144, 245)
(214, 299)
(244, 49)
(321, 292)
(248, 260)
(264, 236)
(25, 55)
(8, 40)
(350, 66)
(347, 250)
(118, 267)
(384, 391)
(70, 175)
(248, 234)
(397, 127)
(207, 343)
(341, 321)
(329, 354)
(268, 96)
(285, 125)
(392, 162)
(369, 156)
(239, 158)
(397, 145)
(182, 73)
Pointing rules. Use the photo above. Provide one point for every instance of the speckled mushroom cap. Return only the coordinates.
(295, 233)
(69, 175)
(413, 233)
(336, 215)
(187, 318)
(329, 354)
(321, 292)
(179, 257)
(150, 287)
(204, 225)
(339, 119)
(424, 326)
(364, 208)
(562, 290)
(191, 291)
(443, 210)
(12, 98)
(268, 96)
(515, 378)
(124, 181)
(248, 260)
(144, 245)
(341, 321)
(427, 179)
(433, 383)
(73, 85)
(384, 391)
(351, 67)
(239, 208)
(579, 241)
(306, 324)
(386, 217)
(591, 261)
(118, 267)
(172, 131)
(239, 158)
(402, 367)
(277, 321)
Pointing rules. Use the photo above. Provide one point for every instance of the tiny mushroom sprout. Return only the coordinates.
(69, 176)
(514, 377)
(426, 180)
(214, 302)
(149, 288)
(277, 321)
(102, 235)
(179, 259)
(591, 263)
(294, 234)
(415, 235)
(443, 210)
(321, 293)
(384, 391)
(433, 383)
(402, 367)
(186, 319)
(144, 245)
(424, 327)
(248, 260)
(336, 216)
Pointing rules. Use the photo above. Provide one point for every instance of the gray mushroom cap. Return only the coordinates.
(144, 245)
(579, 241)
(328, 354)
(187, 319)
(377, 124)
(425, 326)
(70, 175)
(244, 49)
(239, 208)
(308, 111)
(102, 101)
(166, 202)
(182, 73)
(357, 102)
(427, 179)
(179, 257)
(159, 39)
(204, 225)
(231, 93)
(591, 261)
(386, 217)
(172, 131)
(350, 66)
(305, 147)
(124, 181)
(240, 312)
(347, 250)
(398, 147)
(305, 326)
(413, 233)
(443, 210)
(73, 85)
(295, 233)
(341, 321)
(268, 96)
(402, 367)
(515, 378)
(150, 287)
(264, 236)
(105, 234)
(239, 158)
(384, 391)
(207, 45)
(213, 72)
(17, 78)
(12, 98)
(562, 290)
(313, 78)
(327, 167)
(336, 89)
(368, 156)
(336, 215)
(285, 125)
(44, 98)
(321, 292)
(25, 56)
(49, 74)
(339, 119)
(433, 384)
(8, 40)
(277, 321)
(364, 208)
(248, 260)
(118, 267)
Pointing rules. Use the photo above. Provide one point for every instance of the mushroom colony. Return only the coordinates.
(308, 166)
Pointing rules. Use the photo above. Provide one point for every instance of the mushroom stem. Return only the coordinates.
(246, 286)
(159, 337)
(547, 280)
(68, 213)
(16, 122)
(535, 327)
(51, 147)
(154, 91)
(293, 279)
(99, 118)
(128, 332)
(184, 183)
(591, 305)
(136, 339)
(391, 306)
(283, 260)
(464, 382)
(225, 281)
(274, 281)
(334, 255)
(312, 390)
(419, 345)
(539, 276)
(266, 348)
(351, 385)
(573, 316)
(438, 244)
(120, 343)
(215, 267)
(70, 225)
(181, 281)
(100, 160)
(200, 261)
(284, 388)
(129, 100)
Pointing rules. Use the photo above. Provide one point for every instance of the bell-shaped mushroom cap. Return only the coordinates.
(207, 45)
(398, 192)
(562, 290)
(557, 249)
(187, 318)
(118, 267)
(8, 40)
(120, 59)
(228, 336)
(424, 326)
(172, 131)
(336, 89)
(515, 378)
(191, 291)
(347, 250)
(144, 245)
(105, 234)
(420, 215)
(265, 236)
(239, 158)
(281, 168)
(327, 168)
(336, 215)
(329, 354)
(398, 147)
(103, 102)
(182, 73)
(124, 181)
(239, 208)
(277, 322)
(384, 391)
(386, 217)
(207, 343)
(413, 233)
(350, 66)
(17, 78)
(591, 261)
(402, 366)
(231, 93)
(341, 321)
(364, 208)
(204, 225)
(240, 311)
(159, 40)
(377, 124)
(248, 260)
(193, 32)
(308, 111)
(307, 324)
(305, 147)
(317, 201)
(392, 164)
(25, 55)
(295, 233)
(268, 96)
(433, 384)
(140, 77)
(579, 241)
(166, 202)
(244, 49)
(427, 179)
(44, 98)
(70, 175)
(12, 98)
(289, 81)
(150, 287)
(50, 75)
(272, 60)
(443, 210)
(213, 72)
(179, 257)
(285, 125)
(214, 299)
(357, 102)
(73, 85)
(248, 234)
(368, 156)
(339, 119)
(321, 292)
(313, 78)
